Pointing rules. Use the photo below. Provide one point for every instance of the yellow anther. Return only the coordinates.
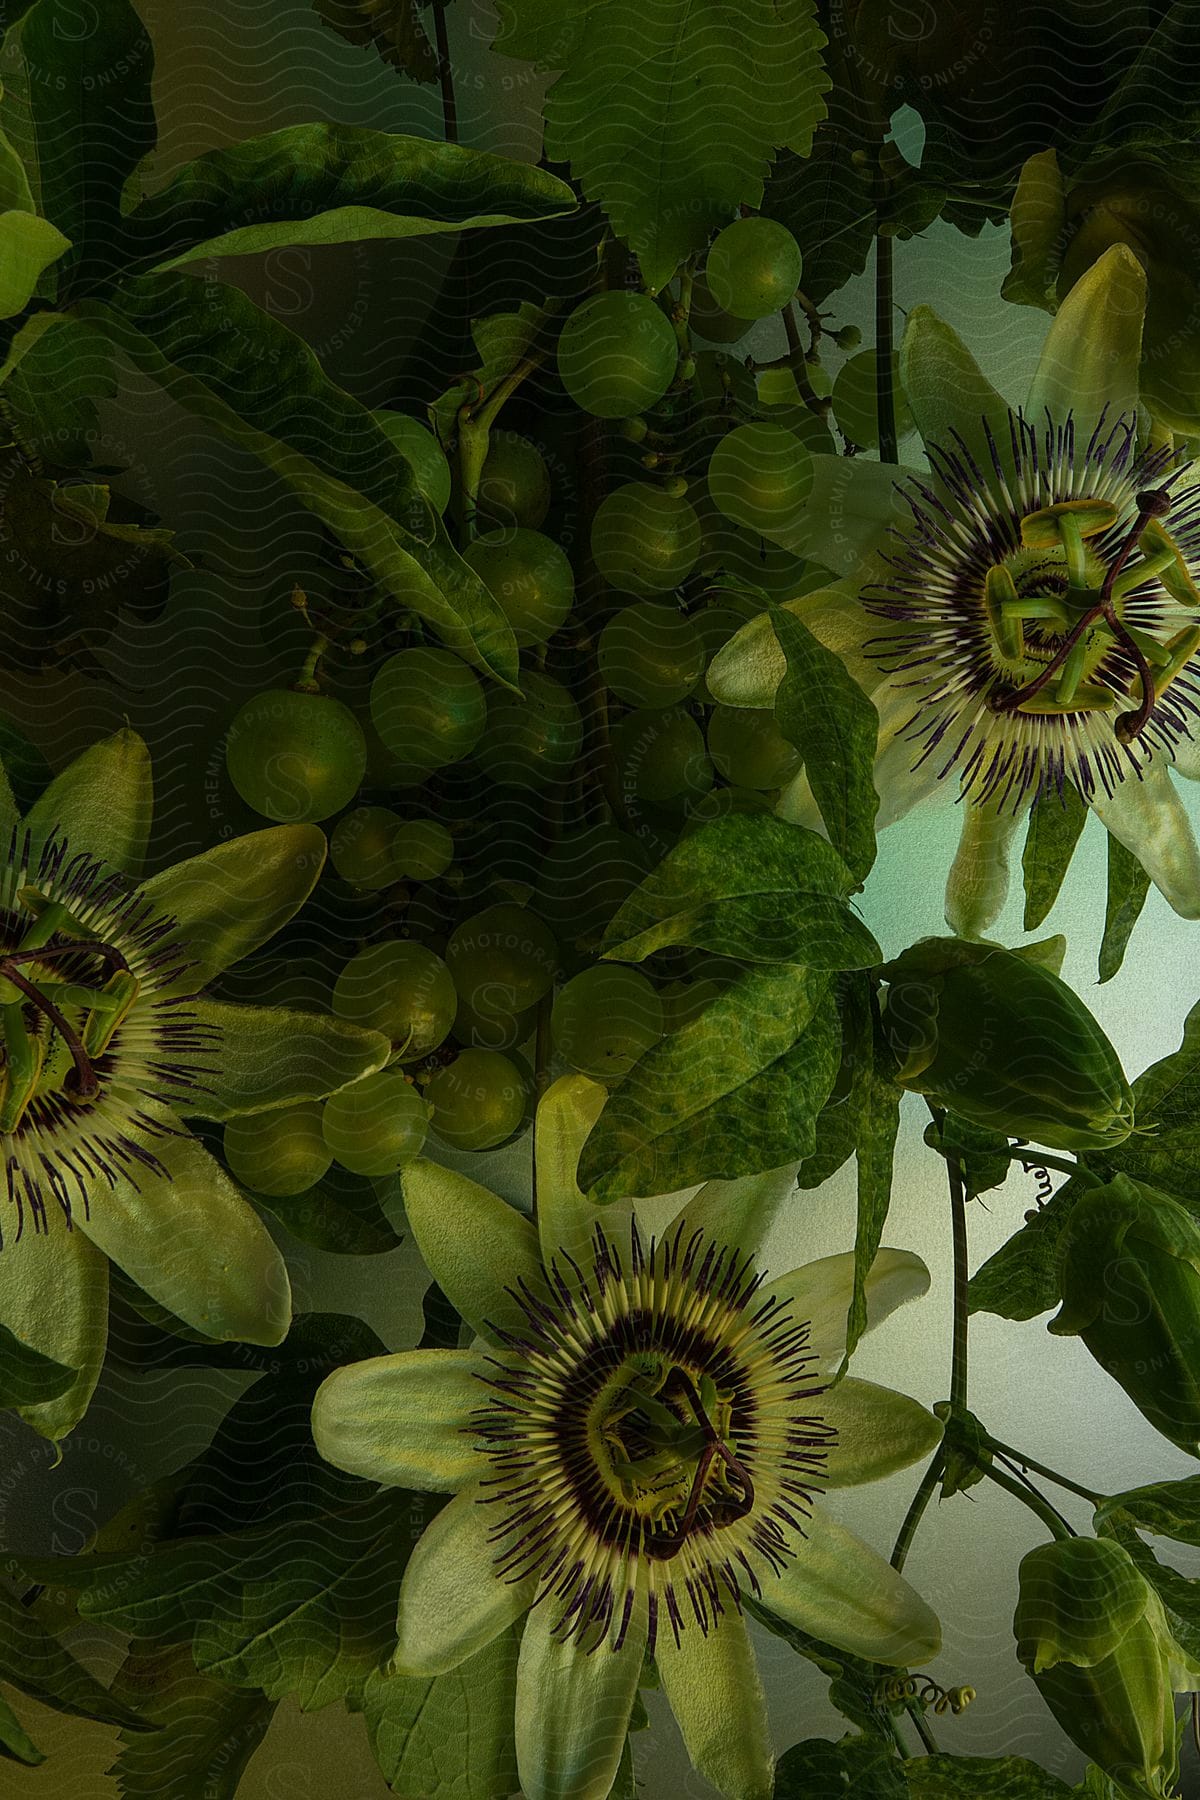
(1043, 530)
(1157, 545)
(999, 592)
(23, 1057)
(1182, 647)
(1088, 697)
(109, 1007)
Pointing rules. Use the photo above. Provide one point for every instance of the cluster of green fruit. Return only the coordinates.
(484, 838)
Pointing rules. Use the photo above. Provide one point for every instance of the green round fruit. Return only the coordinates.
(422, 849)
(761, 476)
(418, 446)
(650, 654)
(502, 959)
(854, 401)
(749, 749)
(711, 322)
(489, 1028)
(645, 541)
(604, 1019)
(295, 757)
(477, 1101)
(375, 1125)
(401, 989)
(660, 760)
(529, 576)
(754, 267)
(533, 738)
(280, 1152)
(427, 707)
(617, 355)
(584, 878)
(362, 847)
(514, 486)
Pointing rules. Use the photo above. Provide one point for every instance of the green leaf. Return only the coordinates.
(207, 1731)
(28, 245)
(1054, 827)
(980, 1777)
(665, 117)
(281, 1570)
(15, 1743)
(307, 1608)
(875, 1153)
(840, 1120)
(79, 110)
(821, 709)
(15, 191)
(214, 351)
(450, 1738)
(734, 1092)
(865, 1767)
(394, 30)
(1167, 1508)
(1179, 1594)
(545, 32)
(56, 371)
(980, 1154)
(334, 184)
(965, 1450)
(68, 567)
(27, 1378)
(35, 1663)
(1165, 1150)
(748, 885)
(1128, 885)
(827, 203)
(503, 340)
(342, 1213)
(1021, 1279)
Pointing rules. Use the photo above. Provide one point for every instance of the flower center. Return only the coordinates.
(653, 1428)
(95, 1051)
(663, 1444)
(1055, 609)
(1044, 617)
(63, 993)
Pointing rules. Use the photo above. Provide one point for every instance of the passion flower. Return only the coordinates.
(108, 1045)
(1024, 614)
(634, 1445)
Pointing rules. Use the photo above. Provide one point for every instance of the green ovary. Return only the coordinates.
(647, 1449)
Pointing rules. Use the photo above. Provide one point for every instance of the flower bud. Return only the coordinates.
(994, 1035)
(1130, 1274)
(1091, 1632)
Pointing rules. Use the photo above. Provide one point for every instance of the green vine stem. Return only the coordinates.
(445, 70)
(885, 398)
(1043, 1469)
(1029, 1496)
(796, 360)
(958, 1226)
(1041, 1159)
(916, 1511)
